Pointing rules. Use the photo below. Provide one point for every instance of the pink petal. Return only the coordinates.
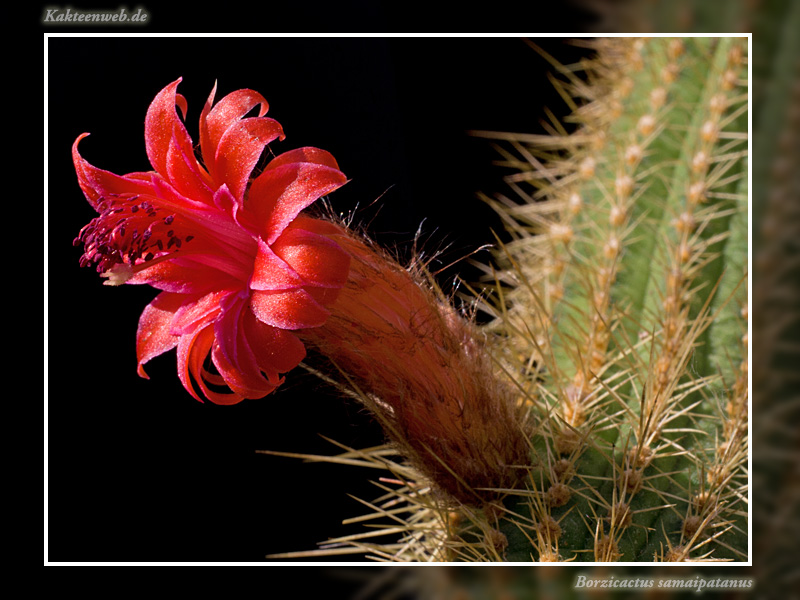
(154, 335)
(224, 200)
(288, 309)
(185, 174)
(206, 149)
(192, 352)
(164, 129)
(233, 356)
(214, 122)
(96, 183)
(278, 195)
(242, 386)
(185, 275)
(229, 109)
(319, 260)
(240, 148)
(326, 228)
(270, 272)
(166, 192)
(275, 349)
(304, 155)
(196, 312)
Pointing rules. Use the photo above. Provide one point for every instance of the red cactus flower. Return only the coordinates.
(237, 274)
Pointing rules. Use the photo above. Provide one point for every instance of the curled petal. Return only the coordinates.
(216, 119)
(235, 358)
(192, 352)
(195, 343)
(96, 183)
(154, 335)
(242, 387)
(163, 129)
(185, 173)
(288, 309)
(307, 154)
(240, 148)
(197, 311)
(177, 320)
(206, 150)
(278, 195)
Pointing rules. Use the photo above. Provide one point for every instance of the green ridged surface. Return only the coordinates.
(719, 285)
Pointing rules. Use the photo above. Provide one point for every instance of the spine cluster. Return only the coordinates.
(633, 230)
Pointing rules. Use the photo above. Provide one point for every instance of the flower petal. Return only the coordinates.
(235, 377)
(216, 119)
(304, 155)
(288, 309)
(278, 195)
(192, 352)
(96, 183)
(319, 260)
(185, 174)
(163, 128)
(193, 349)
(326, 228)
(240, 148)
(186, 275)
(233, 355)
(270, 272)
(275, 349)
(154, 335)
(197, 311)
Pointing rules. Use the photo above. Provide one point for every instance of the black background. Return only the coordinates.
(137, 470)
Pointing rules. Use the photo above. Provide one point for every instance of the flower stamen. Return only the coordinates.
(129, 232)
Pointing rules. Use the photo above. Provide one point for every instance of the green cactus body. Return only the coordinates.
(639, 385)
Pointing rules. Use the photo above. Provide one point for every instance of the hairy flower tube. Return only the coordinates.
(238, 274)
(424, 372)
